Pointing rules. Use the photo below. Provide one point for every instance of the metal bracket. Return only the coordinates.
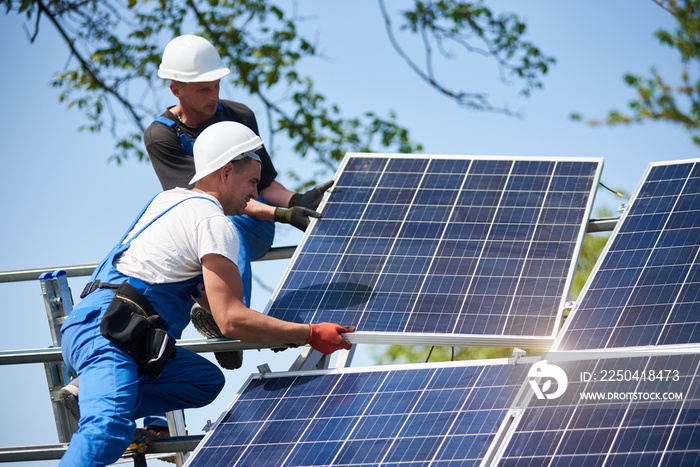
(517, 355)
(310, 359)
(344, 357)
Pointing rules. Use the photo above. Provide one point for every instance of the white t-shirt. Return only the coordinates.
(171, 249)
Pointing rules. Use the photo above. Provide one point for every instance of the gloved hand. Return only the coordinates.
(312, 198)
(327, 338)
(298, 216)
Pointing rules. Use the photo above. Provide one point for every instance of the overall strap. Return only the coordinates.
(138, 217)
(155, 218)
(187, 143)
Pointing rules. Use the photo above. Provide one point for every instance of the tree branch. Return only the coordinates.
(88, 69)
(476, 101)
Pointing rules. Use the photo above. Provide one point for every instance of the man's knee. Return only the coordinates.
(211, 383)
(214, 382)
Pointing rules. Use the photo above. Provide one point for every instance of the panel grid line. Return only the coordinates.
(451, 429)
(403, 426)
(374, 190)
(260, 429)
(483, 247)
(529, 246)
(440, 240)
(352, 430)
(393, 245)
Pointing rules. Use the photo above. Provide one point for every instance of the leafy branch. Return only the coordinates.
(656, 99)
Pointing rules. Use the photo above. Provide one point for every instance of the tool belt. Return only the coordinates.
(131, 324)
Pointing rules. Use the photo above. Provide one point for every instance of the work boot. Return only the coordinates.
(143, 435)
(69, 396)
(204, 323)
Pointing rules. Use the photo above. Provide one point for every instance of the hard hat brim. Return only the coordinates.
(193, 77)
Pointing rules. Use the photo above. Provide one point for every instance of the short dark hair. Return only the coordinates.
(239, 165)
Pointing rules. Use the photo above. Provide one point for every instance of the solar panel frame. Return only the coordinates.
(439, 411)
(632, 430)
(511, 338)
(582, 309)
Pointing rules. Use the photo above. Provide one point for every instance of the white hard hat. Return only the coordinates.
(191, 59)
(222, 143)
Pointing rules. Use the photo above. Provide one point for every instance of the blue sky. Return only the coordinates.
(64, 204)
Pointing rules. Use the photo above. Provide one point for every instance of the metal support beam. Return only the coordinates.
(19, 275)
(604, 224)
(53, 354)
(55, 451)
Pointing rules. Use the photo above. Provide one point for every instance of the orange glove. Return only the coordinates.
(327, 338)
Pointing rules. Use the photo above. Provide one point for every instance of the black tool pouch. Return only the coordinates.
(131, 323)
(161, 348)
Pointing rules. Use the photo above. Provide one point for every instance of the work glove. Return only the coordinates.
(327, 338)
(298, 216)
(312, 198)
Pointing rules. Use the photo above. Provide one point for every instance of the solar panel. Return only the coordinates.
(645, 289)
(410, 415)
(637, 411)
(438, 249)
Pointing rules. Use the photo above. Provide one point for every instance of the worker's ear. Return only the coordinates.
(226, 172)
(175, 89)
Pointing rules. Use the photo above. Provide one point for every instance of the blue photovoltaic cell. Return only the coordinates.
(618, 424)
(646, 289)
(454, 245)
(447, 414)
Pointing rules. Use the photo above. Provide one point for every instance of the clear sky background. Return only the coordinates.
(64, 204)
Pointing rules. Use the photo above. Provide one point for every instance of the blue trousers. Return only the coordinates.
(113, 395)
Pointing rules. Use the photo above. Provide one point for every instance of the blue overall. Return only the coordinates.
(112, 394)
(256, 236)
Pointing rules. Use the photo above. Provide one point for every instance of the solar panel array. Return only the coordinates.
(445, 414)
(405, 235)
(621, 423)
(452, 245)
(646, 288)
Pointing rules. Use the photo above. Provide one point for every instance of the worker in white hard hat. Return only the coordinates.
(194, 68)
(120, 338)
